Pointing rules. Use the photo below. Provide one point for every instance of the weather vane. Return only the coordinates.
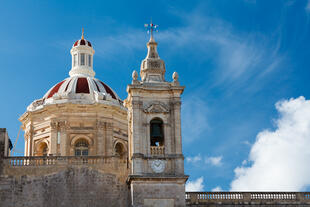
(151, 28)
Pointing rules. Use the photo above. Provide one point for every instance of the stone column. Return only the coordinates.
(64, 145)
(136, 124)
(148, 139)
(108, 139)
(100, 138)
(177, 126)
(26, 147)
(29, 134)
(54, 129)
(168, 138)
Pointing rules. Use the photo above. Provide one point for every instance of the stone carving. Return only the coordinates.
(100, 124)
(63, 125)
(54, 125)
(38, 102)
(156, 107)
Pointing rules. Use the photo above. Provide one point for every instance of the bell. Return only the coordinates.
(156, 130)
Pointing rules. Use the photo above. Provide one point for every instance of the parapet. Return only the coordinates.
(245, 199)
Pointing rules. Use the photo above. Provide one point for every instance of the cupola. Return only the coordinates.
(82, 58)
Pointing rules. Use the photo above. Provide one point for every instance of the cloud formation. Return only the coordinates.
(194, 186)
(238, 57)
(194, 159)
(279, 159)
(216, 161)
(217, 189)
(308, 6)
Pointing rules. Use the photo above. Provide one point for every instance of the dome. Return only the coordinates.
(80, 90)
(81, 87)
(82, 42)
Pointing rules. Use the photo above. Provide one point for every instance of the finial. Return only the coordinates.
(82, 34)
(175, 77)
(135, 77)
(151, 28)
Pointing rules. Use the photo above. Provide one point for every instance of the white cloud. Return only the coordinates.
(194, 186)
(308, 6)
(216, 161)
(280, 158)
(194, 159)
(246, 142)
(217, 189)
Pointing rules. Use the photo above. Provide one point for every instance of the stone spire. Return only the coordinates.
(152, 67)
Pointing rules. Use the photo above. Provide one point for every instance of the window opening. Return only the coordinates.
(82, 58)
(74, 60)
(89, 60)
(119, 150)
(157, 132)
(81, 148)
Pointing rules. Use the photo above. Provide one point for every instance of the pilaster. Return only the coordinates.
(100, 138)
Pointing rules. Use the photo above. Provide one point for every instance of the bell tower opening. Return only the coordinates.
(157, 132)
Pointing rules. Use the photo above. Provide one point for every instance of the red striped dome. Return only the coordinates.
(73, 87)
(82, 42)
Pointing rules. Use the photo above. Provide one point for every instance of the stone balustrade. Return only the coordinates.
(157, 150)
(195, 198)
(61, 160)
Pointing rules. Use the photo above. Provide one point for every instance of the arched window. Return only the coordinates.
(75, 60)
(119, 150)
(82, 55)
(89, 60)
(157, 132)
(81, 148)
(42, 149)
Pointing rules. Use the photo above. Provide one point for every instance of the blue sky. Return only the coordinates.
(237, 59)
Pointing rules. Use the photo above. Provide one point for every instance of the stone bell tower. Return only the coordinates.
(154, 126)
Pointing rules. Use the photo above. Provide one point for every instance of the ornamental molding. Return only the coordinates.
(100, 124)
(156, 107)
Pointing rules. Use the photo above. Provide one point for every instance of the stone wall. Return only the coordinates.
(158, 192)
(57, 185)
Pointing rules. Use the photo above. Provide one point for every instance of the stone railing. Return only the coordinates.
(194, 198)
(157, 150)
(61, 160)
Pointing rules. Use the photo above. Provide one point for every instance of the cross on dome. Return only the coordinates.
(82, 34)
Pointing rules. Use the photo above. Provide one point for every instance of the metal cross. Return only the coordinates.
(82, 34)
(151, 27)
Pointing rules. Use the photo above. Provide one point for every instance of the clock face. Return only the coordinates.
(158, 166)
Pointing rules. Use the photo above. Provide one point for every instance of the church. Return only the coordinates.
(84, 146)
